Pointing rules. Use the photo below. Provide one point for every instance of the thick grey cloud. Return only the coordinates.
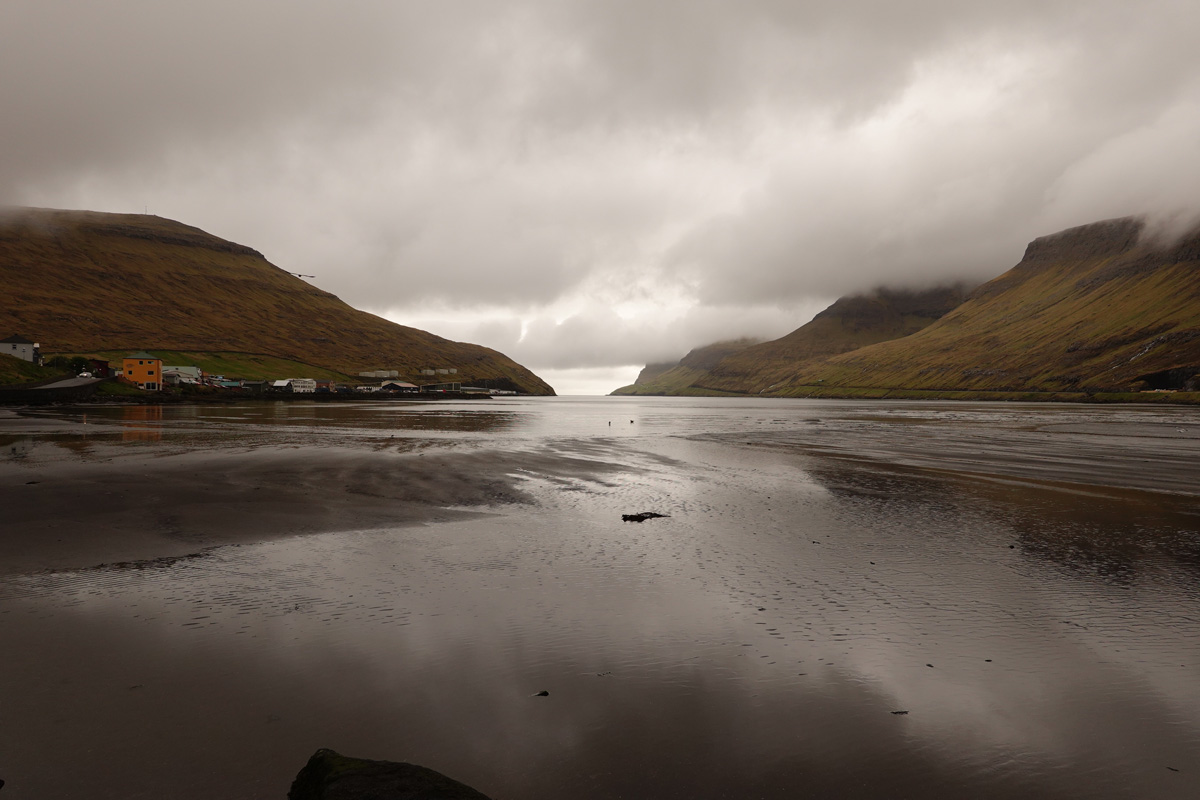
(589, 184)
(600, 337)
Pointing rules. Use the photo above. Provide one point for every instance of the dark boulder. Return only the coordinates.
(642, 517)
(331, 776)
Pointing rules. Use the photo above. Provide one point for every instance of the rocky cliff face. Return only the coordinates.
(1073, 247)
(87, 282)
(887, 309)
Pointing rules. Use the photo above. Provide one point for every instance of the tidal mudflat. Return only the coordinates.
(856, 600)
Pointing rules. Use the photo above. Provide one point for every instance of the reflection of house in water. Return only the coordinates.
(80, 445)
(15, 446)
(141, 423)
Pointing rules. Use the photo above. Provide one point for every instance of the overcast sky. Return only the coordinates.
(588, 186)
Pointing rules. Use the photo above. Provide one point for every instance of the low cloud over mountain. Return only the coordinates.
(589, 184)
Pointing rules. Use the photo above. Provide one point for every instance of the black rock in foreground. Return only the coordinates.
(331, 776)
(642, 517)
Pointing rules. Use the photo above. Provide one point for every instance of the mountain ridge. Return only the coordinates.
(1107, 307)
(666, 378)
(1096, 308)
(849, 323)
(92, 282)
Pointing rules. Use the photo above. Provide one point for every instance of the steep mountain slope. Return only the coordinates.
(848, 324)
(1101, 307)
(89, 282)
(651, 372)
(660, 379)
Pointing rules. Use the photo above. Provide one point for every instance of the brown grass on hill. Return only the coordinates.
(89, 282)
(1102, 308)
(1094, 308)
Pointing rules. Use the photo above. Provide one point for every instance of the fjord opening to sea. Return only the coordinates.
(842, 599)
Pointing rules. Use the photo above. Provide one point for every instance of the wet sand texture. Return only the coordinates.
(74, 515)
(841, 600)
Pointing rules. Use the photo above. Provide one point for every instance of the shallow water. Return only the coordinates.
(1022, 581)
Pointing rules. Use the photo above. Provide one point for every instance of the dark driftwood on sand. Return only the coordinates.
(642, 517)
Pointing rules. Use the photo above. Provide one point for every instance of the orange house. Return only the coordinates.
(144, 370)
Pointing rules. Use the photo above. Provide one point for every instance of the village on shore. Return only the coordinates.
(148, 372)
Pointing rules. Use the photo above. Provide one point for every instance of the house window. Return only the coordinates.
(149, 372)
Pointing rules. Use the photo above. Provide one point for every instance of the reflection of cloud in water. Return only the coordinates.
(752, 643)
(427, 644)
(273, 423)
(1105, 535)
(395, 416)
(1096, 589)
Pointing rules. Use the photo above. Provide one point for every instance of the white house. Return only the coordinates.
(21, 348)
(295, 385)
(178, 375)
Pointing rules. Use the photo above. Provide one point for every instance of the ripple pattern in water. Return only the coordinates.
(760, 637)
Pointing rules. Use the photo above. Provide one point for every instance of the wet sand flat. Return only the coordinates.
(1104, 449)
(72, 515)
(880, 621)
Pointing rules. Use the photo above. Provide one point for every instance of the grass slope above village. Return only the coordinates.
(1102, 311)
(16, 371)
(105, 285)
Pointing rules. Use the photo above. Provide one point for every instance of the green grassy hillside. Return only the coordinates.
(16, 371)
(847, 325)
(1098, 308)
(1102, 311)
(88, 282)
(244, 366)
